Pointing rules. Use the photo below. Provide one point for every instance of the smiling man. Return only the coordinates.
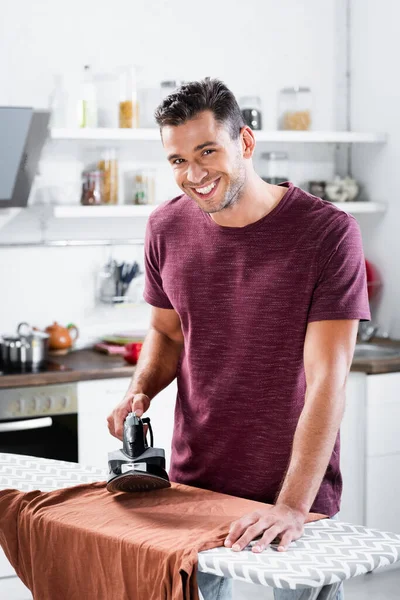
(256, 294)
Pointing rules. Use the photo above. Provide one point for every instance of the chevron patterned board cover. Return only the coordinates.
(328, 552)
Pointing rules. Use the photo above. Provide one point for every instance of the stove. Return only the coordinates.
(46, 367)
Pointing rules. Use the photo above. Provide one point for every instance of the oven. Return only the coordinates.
(40, 421)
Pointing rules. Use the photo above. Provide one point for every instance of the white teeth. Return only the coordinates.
(206, 190)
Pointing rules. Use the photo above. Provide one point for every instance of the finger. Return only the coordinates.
(250, 534)
(140, 403)
(138, 407)
(287, 538)
(110, 424)
(119, 420)
(238, 527)
(269, 535)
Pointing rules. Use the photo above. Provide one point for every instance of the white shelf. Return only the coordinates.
(153, 135)
(355, 208)
(7, 215)
(82, 212)
(106, 135)
(133, 211)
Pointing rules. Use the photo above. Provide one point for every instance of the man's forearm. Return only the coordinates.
(157, 364)
(313, 444)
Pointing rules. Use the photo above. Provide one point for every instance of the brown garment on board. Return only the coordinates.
(86, 543)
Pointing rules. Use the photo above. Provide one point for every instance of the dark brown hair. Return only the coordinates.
(195, 97)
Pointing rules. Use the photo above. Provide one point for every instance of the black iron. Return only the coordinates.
(137, 467)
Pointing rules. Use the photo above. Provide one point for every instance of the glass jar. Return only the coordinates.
(250, 107)
(128, 102)
(276, 167)
(295, 108)
(108, 164)
(139, 186)
(92, 188)
(149, 99)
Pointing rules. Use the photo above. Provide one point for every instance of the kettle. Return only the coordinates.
(60, 337)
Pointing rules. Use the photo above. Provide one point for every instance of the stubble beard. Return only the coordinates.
(232, 195)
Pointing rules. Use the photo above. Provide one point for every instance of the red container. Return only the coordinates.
(132, 352)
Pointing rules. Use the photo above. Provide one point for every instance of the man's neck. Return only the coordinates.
(258, 199)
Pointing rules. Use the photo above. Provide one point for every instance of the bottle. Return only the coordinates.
(108, 164)
(128, 102)
(88, 104)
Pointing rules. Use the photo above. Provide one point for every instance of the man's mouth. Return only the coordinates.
(206, 191)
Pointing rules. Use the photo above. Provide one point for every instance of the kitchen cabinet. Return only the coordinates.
(352, 450)
(370, 451)
(383, 452)
(96, 400)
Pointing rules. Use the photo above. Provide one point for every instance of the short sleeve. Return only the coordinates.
(154, 293)
(341, 290)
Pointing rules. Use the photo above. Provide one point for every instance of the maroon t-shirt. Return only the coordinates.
(244, 296)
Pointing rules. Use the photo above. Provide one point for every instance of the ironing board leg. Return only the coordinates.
(328, 592)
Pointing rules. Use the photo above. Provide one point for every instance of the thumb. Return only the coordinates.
(140, 404)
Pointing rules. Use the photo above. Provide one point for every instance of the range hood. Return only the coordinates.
(23, 133)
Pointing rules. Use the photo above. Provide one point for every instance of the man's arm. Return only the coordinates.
(328, 352)
(155, 369)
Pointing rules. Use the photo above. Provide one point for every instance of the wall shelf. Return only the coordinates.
(121, 210)
(358, 208)
(7, 215)
(105, 135)
(133, 211)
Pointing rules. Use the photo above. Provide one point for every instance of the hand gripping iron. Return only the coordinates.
(137, 467)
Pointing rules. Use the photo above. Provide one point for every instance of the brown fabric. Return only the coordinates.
(83, 542)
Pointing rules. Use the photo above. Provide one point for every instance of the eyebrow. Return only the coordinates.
(199, 147)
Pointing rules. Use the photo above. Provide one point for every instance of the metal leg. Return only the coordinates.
(328, 592)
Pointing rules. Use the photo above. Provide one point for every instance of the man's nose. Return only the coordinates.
(196, 173)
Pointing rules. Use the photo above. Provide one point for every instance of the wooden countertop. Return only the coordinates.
(375, 366)
(82, 365)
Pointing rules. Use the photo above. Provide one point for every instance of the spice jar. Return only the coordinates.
(250, 107)
(143, 186)
(92, 187)
(128, 102)
(276, 167)
(295, 108)
(108, 165)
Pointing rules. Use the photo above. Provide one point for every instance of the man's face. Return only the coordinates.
(207, 164)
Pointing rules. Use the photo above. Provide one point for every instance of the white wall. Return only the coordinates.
(375, 106)
(256, 47)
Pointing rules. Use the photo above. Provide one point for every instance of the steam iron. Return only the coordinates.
(137, 467)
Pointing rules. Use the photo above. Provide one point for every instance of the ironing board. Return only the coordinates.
(329, 551)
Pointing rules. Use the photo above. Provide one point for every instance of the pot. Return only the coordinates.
(13, 353)
(36, 344)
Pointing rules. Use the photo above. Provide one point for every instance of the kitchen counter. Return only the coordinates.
(375, 366)
(82, 365)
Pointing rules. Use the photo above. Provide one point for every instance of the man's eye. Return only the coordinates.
(178, 161)
(209, 151)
